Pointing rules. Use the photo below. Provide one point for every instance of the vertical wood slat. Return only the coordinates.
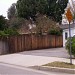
(4, 45)
(29, 42)
(23, 43)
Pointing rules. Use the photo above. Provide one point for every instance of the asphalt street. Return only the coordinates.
(9, 70)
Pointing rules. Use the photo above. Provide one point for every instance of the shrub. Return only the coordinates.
(2, 33)
(11, 31)
(72, 46)
(8, 32)
(54, 32)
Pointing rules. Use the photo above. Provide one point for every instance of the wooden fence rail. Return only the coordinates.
(31, 42)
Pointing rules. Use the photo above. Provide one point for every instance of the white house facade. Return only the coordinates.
(66, 32)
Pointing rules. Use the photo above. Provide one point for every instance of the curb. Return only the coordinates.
(54, 69)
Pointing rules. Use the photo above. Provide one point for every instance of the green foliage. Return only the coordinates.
(29, 8)
(25, 8)
(8, 32)
(11, 11)
(56, 8)
(16, 22)
(42, 6)
(11, 32)
(54, 32)
(2, 22)
(72, 44)
(52, 8)
(2, 33)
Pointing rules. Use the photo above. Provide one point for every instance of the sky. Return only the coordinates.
(4, 5)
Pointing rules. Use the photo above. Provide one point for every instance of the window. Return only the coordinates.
(66, 35)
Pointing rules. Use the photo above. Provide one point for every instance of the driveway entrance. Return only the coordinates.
(36, 57)
(53, 52)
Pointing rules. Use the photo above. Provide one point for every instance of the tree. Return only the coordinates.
(56, 9)
(29, 8)
(45, 25)
(12, 11)
(2, 22)
(53, 8)
(42, 6)
(24, 8)
(16, 22)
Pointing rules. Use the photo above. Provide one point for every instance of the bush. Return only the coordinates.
(54, 32)
(2, 33)
(8, 32)
(11, 32)
(72, 44)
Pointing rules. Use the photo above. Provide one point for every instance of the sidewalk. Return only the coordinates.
(30, 60)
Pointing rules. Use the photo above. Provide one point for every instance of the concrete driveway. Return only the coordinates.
(35, 58)
(53, 52)
(32, 58)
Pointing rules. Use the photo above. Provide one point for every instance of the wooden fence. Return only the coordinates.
(31, 42)
(25, 42)
(4, 49)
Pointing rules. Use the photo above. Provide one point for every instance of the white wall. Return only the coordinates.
(67, 30)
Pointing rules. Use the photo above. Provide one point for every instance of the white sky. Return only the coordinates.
(4, 5)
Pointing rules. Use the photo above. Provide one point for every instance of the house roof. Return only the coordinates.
(66, 26)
